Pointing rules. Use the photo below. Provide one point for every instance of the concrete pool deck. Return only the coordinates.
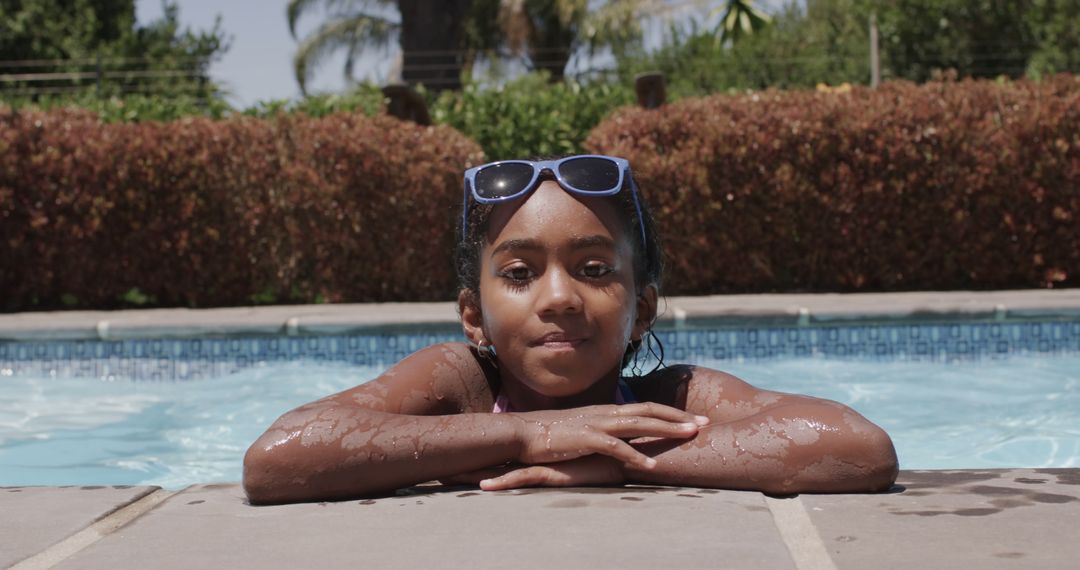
(773, 309)
(1001, 518)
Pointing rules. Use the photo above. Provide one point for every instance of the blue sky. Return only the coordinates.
(258, 65)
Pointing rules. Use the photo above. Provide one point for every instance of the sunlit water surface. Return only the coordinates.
(1017, 412)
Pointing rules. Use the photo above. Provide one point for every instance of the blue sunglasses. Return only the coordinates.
(585, 175)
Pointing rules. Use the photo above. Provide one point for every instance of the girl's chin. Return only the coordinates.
(558, 387)
(560, 382)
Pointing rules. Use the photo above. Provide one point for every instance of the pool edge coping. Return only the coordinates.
(800, 526)
(819, 309)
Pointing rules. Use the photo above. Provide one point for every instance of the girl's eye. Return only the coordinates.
(517, 273)
(597, 270)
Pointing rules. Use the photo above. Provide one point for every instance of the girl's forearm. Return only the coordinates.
(325, 452)
(774, 456)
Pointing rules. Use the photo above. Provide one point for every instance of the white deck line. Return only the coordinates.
(71, 545)
(799, 534)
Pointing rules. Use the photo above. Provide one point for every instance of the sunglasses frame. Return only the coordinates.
(538, 167)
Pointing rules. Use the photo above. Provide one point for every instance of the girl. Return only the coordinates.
(559, 269)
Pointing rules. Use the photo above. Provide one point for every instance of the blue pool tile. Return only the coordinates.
(188, 359)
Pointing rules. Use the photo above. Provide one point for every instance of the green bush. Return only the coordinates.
(131, 108)
(529, 116)
(978, 38)
(823, 42)
(827, 41)
(365, 98)
(968, 185)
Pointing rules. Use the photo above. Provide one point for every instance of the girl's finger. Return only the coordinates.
(659, 411)
(624, 452)
(638, 426)
(533, 476)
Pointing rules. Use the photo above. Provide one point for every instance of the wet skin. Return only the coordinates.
(558, 301)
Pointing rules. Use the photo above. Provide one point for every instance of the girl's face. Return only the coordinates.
(557, 294)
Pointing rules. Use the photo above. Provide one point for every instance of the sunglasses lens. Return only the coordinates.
(503, 179)
(590, 174)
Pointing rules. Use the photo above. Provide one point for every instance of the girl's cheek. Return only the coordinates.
(620, 338)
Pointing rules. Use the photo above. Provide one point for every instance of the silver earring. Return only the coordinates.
(635, 348)
(485, 352)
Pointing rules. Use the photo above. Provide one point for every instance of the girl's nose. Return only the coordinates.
(558, 294)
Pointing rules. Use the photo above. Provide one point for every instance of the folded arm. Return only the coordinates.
(429, 418)
(404, 427)
(756, 440)
(792, 448)
(326, 451)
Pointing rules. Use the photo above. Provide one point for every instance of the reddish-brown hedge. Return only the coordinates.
(207, 213)
(942, 186)
(948, 185)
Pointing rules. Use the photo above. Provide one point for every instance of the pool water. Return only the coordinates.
(1019, 411)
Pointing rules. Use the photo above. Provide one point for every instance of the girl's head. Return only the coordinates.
(559, 268)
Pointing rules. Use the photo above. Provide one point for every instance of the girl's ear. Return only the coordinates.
(646, 311)
(472, 321)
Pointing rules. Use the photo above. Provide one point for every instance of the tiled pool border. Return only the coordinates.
(195, 358)
(912, 326)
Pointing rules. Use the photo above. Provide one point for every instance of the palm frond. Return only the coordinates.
(337, 8)
(350, 34)
(740, 19)
(294, 10)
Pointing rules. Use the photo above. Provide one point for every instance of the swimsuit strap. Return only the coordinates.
(623, 395)
(502, 404)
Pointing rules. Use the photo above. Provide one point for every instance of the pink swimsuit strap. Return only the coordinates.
(623, 395)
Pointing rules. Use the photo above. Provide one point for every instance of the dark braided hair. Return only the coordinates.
(648, 257)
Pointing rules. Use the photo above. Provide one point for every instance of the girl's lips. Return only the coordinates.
(561, 344)
(558, 342)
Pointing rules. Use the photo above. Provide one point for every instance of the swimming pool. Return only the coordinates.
(172, 412)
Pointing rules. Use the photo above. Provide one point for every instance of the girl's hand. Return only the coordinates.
(557, 436)
(583, 471)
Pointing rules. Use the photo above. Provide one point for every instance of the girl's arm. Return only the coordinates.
(427, 418)
(768, 441)
(403, 427)
(756, 440)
